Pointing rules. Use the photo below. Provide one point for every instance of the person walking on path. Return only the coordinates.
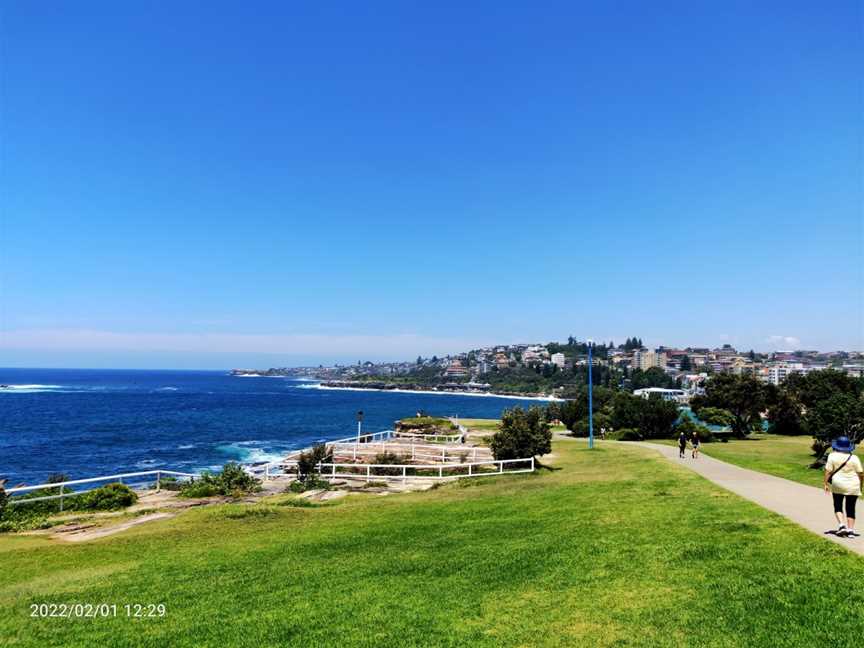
(694, 441)
(843, 477)
(682, 444)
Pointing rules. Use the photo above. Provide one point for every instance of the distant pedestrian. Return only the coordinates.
(843, 477)
(694, 441)
(682, 444)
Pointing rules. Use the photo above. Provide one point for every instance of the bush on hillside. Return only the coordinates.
(26, 516)
(307, 462)
(388, 458)
(232, 481)
(625, 434)
(106, 498)
(3, 499)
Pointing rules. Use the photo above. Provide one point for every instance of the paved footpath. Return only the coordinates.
(807, 506)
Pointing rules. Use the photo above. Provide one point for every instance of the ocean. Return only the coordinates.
(87, 423)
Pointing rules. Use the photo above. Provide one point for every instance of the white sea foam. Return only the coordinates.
(187, 446)
(437, 393)
(29, 389)
(167, 389)
(253, 451)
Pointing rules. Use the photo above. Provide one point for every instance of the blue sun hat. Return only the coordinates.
(842, 444)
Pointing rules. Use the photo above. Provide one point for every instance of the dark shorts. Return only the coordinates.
(850, 501)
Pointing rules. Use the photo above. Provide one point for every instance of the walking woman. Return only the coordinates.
(694, 441)
(682, 444)
(843, 477)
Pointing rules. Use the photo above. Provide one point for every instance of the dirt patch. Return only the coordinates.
(85, 532)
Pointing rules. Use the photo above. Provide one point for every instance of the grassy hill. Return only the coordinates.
(617, 548)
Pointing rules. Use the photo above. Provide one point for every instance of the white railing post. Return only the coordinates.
(61, 499)
(469, 469)
(158, 480)
(368, 469)
(500, 467)
(334, 471)
(440, 472)
(404, 474)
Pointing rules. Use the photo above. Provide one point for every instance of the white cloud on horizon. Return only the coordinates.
(783, 342)
(397, 345)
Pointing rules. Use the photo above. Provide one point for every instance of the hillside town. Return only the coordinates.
(671, 372)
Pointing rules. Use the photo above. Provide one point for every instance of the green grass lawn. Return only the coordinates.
(619, 547)
(783, 456)
(481, 425)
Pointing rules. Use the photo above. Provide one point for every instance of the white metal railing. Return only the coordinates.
(76, 482)
(369, 472)
(362, 440)
(415, 450)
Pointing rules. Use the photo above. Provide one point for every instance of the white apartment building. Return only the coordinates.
(559, 360)
(776, 374)
(644, 360)
(676, 395)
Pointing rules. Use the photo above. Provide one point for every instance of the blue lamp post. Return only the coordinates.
(590, 397)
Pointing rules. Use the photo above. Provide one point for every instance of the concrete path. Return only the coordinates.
(807, 506)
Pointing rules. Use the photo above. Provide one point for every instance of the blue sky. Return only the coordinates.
(218, 184)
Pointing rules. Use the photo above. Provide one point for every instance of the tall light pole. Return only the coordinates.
(590, 397)
(359, 424)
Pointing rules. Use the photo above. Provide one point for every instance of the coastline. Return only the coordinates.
(438, 392)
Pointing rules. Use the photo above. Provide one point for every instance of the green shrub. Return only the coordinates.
(168, 483)
(313, 482)
(3, 499)
(625, 434)
(202, 487)
(388, 458)
(106, 498)
(307, 462)
(232, 481)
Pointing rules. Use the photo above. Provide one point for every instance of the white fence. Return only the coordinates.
(426, 452)
(77, 482)
(385, 472)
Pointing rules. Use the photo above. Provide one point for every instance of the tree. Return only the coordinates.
(307, 462)
(521, 435)
(573, 411)
(715, 416)
(743, 396)
(818, 386)
(419, 360)
(839, 415)
(785, 417)
(686, 365)
(653, 417)
(653, 377)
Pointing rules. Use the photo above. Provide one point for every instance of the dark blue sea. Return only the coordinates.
(87, 423)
